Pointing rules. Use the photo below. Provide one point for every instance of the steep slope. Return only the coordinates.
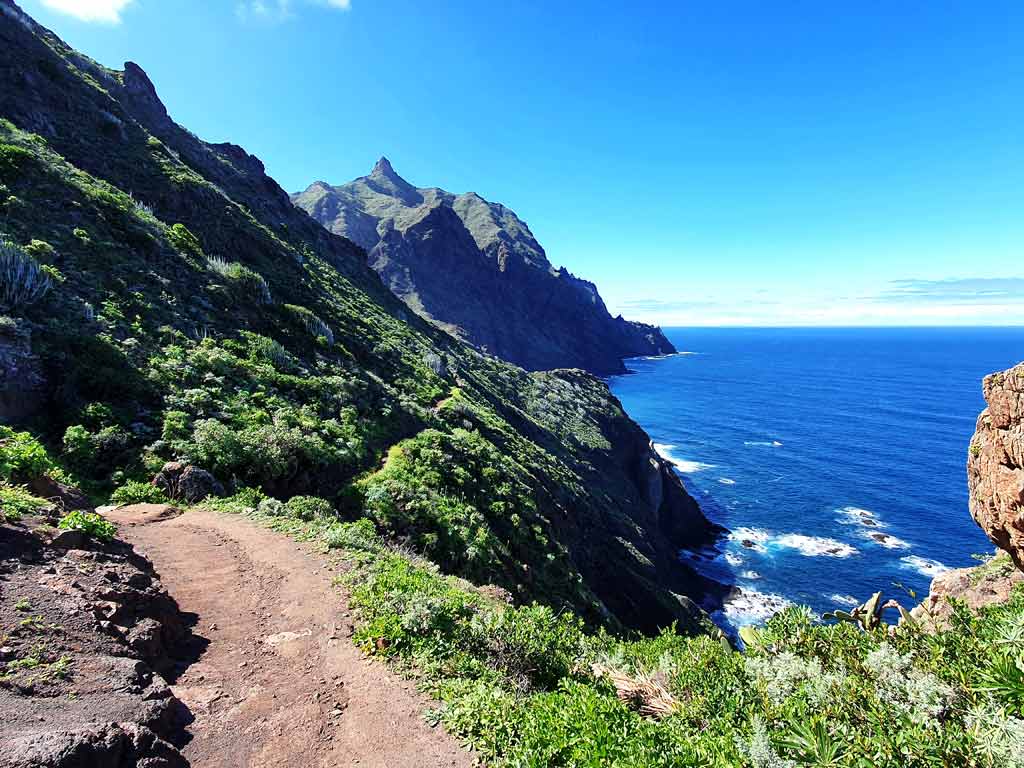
(195, 314)
(475, 269)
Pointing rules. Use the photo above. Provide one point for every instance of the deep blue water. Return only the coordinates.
(797, 440)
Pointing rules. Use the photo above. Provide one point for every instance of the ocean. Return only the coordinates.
(836, 457)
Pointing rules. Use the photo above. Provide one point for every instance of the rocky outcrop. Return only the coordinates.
(84, 671)
(988, 584)
(184, 482)
(22, 384)
(995, 464)
(474, 268)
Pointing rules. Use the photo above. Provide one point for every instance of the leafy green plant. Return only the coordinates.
(17, 501)
(312, 323)
(308, 507)
(869, 614)
(1004, 679)
(89, 523)
(135, 492)
(22, 457)
(812, 744)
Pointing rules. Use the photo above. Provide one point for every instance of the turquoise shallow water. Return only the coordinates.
(835, 456)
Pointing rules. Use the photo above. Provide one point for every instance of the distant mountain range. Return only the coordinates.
(474, 268)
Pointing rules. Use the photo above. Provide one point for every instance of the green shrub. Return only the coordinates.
(176, 426)
(360, 535)
(40, 250)
(13, 160)
(22, 457)
(246, 282)
(17, 501)
(263, 349)
(313, 324)
(262, 453)
(272, 508)
(308, 507)
(88, 523)
(94, 453)
(183, 239)
(134, 492)
(22, 281)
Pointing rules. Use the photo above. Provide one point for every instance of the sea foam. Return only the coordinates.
(848, 600)
(763, 541)
(870, 526)
(685, 466)
(923, 565)
(815, 546)
(748, 606)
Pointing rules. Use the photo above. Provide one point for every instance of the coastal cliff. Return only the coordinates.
(995, 464)
(474, 268)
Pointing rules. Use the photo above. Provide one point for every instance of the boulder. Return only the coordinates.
(187, 483)
(73, 540)
(995, 463)
(66, 497)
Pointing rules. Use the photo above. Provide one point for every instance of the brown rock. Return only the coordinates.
(66, 497)
(187, 483)
(995, 464)
(987, 584)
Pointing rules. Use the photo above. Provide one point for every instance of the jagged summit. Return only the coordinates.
(474, 268)
(384, 168)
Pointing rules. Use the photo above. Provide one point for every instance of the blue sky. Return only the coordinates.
(755, 162)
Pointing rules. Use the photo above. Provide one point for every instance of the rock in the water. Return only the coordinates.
(187, 483)
(995, 465)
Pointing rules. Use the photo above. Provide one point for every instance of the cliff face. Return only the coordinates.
(995, 464)
(474, 268)
(198, 314)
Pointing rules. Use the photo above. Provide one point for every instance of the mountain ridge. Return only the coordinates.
(475, 269)
(195, 314)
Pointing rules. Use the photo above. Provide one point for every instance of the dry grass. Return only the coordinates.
(642, 693)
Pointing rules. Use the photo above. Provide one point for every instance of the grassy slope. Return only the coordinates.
(199, 315)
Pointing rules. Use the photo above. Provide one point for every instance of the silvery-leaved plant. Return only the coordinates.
(918, 694)
(758, 748)
(784, 675)
(999, 737)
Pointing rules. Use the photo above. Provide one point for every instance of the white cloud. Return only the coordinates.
(958, 301)
(108, 11)
(281, 10)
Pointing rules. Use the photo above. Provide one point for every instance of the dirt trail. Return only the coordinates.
(280, 683)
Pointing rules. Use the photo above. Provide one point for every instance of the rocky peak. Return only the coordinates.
(138, 85)
(384, 168)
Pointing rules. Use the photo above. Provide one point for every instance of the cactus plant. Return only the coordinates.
(868, 615)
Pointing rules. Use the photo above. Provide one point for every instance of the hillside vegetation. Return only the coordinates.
(163, 300)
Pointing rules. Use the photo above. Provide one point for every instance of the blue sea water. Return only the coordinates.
(836, 457)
